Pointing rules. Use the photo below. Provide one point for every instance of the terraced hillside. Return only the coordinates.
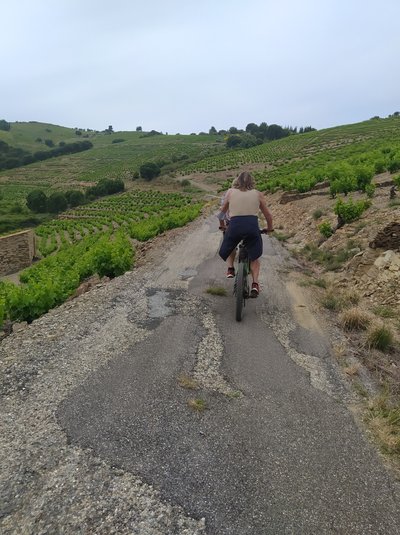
(353, 138)
(115, 155)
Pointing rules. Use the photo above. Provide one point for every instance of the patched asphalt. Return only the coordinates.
(283, 456)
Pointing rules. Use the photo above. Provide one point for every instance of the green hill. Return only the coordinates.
(295, 162)
(114, 155)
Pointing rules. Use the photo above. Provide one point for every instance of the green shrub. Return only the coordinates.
(380, 166)
(57, 202)
(343, 185)
(363, 174)
(350, 211)
(394, 165)
(36, 201)
(370, 190)
(149, 170)
(112, 258)
(396, 180)
(325, 229)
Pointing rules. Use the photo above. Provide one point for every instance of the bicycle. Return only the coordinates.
(241, 287)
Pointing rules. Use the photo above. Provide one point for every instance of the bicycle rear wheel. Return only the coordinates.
(240, 289)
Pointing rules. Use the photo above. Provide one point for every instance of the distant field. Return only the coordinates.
(107, 159)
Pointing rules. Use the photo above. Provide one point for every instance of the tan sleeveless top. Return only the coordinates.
(244, 202)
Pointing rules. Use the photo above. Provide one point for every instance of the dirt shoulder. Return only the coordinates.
(353, 277)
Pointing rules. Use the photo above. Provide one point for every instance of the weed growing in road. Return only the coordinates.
(234, 394)
(198, 404)
(216, 290)
(187, 382)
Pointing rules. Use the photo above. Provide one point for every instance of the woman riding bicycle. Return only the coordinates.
(244, 203)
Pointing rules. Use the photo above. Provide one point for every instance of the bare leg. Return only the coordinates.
(231, 258)
(255, 269)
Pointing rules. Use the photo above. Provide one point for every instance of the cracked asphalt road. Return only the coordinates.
(98, 436)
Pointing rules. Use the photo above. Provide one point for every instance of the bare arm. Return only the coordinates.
(266, 213)
(224, 206)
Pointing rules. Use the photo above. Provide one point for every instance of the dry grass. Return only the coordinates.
(216, 290)
(385, 312)
(187, 382)
(384, 420)
(352, 370)
(198, 404)
(354, 319)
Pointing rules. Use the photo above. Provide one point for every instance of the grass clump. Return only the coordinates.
(354, 319)
(321, 283)
(331, 261)
(216, 290)
(380, 337)
(280, 236)
(384, 420)
(384, 312)
(317, 214)
(332, 301)
(197, 404)
(187, 382)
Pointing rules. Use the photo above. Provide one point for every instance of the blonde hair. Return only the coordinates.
(244, 181)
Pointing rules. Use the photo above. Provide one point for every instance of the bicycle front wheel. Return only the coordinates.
(240, 289)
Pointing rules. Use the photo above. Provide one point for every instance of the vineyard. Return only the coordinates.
(354, 137)
(113, 155)
(96, 238)
(100, 237)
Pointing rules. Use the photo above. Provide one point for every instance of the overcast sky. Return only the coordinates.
(186, 65)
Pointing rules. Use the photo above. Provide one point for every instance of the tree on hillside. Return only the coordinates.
(252, 128)
(149, 170)
(233, 140)
(36, 201)
(213, 130)
(57, 202)
(275, 132)
(4, 125)
(138, 129)
(75, 197)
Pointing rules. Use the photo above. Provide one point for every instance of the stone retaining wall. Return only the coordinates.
(16, 251)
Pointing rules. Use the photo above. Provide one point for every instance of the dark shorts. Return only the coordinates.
(242, 227)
